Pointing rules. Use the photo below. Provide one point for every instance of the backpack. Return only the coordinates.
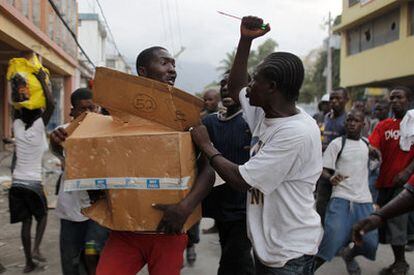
(343, 140)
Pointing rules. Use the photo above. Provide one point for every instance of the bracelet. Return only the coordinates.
(379, 215)
(210, 159)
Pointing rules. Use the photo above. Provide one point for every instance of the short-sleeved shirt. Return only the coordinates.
(231, 136)
(386, 138)
(31, 144)
(69, 204)
(333, 127)
(285, 163)
(352, 163)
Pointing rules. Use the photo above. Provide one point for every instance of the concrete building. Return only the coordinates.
(377, 42)
(94, 39)
(34, 25)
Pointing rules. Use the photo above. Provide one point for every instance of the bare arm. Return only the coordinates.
(227, 170)
(50, 102)
(401, 204)
(175, 215)
(250, 29)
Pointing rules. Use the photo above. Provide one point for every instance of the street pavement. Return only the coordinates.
(208, 250)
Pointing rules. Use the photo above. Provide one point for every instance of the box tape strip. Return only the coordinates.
(127, 183)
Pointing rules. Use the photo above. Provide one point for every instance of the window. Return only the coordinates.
(411, 18)
(379, 31)
(110, 63)
(353, 2)
(354, 39)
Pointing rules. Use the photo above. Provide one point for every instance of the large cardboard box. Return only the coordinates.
(140, 155)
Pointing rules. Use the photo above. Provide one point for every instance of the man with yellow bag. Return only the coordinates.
(26, 196)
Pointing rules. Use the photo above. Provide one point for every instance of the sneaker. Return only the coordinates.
(397, 268)
(191, 255)
(352, 266)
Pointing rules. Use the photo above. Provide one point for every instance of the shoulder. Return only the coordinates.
(211, 118)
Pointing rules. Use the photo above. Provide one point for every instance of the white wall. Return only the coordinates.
(92, 41)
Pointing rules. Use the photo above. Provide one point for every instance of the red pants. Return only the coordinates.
(126, 253)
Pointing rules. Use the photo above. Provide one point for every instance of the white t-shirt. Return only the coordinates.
(69, 204)
(353, 163)
(31, 144)
(286, 162)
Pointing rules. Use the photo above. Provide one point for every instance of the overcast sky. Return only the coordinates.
(206, 35)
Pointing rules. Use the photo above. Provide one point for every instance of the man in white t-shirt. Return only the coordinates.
(79, 235)
(286, 159)
(345, 163)
(26, 197)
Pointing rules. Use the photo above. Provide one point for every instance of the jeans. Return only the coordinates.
(193, 235)
(73, 237)
(236, 257)
(300, 266)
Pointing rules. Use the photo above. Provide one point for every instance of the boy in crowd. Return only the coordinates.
(78, 234)
(334, 126)
(230, 134)
(285, 163)
(345, 165)
(26, 196)
(396, 168)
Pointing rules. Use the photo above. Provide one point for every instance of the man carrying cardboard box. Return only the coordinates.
(127, 252)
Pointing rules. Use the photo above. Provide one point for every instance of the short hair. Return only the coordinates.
(357, 112)
(144, 57)
(408, 92)
(287, 70)
(343, 90)
(80, 94)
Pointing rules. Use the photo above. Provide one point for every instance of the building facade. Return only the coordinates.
(377, 43)
(33, 25)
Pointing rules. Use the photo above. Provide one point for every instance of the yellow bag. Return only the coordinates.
(32, 91)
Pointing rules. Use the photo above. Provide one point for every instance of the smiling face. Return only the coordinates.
(161, 67)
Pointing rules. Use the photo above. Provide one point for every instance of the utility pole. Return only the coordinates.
(329, 57)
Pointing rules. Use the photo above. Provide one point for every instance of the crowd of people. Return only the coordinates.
(288, 192)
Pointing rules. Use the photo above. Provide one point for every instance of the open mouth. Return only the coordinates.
(171, 80)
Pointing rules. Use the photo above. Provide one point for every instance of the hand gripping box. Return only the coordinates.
(140, 155)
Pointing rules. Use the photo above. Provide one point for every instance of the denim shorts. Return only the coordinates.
(341, 215)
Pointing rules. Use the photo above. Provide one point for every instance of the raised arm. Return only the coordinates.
(50, 102)
(250, 29)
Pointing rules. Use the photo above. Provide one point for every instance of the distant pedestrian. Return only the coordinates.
(345, 163)
(323, 109)
(211, 99)
(26, 196)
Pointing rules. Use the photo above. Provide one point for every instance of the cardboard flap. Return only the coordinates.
(125, 95)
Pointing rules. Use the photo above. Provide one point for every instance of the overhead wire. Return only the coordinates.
(55, 8)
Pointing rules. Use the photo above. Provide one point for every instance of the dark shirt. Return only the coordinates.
(333, 128)
(232, 138)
